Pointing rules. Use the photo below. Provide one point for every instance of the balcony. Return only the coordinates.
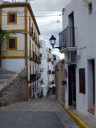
(35, 58)
(39, 44)
(41, 82)
(53, 72)
(67, 40)
(40, 55)
(71, 57)
(34, 77)
(39, 60)
(49, 59)
(41, 70)
(38, 75)
(31, 31)
(49, 71)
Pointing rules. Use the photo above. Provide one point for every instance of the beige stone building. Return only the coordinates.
(59, 78)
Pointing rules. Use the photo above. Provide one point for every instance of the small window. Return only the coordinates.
(90, 7)
(12, 18)
(82, 80)
(12, 43)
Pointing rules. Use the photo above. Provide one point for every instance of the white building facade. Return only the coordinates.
(44, 67)
(47, 67)
(78, 41)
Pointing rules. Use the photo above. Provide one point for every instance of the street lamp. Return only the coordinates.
(52, 41)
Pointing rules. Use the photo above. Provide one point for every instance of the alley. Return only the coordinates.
(36, 113)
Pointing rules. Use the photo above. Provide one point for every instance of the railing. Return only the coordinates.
(35, 57)
(67, 38)
(41, 70)
(39, 44)
(41, 82)
(51, 82)
(34, 77)
(72, 57)
(49, 59)
(49, 71)
(39, 60)
(53, 72)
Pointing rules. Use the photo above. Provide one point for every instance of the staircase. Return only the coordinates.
(5, 75)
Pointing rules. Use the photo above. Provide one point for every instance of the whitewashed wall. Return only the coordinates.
(85, 28)
(13, 64)
(20, 18)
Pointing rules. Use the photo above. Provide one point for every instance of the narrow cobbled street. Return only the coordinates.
(36, 113)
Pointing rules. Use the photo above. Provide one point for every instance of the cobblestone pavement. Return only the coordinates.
(43, 105)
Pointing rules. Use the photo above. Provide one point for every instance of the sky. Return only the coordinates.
(51, 23)
(48, 14)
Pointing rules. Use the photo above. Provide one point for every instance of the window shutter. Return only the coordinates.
(11, 43)
(82, 80)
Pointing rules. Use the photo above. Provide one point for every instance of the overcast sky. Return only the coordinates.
(50, 24)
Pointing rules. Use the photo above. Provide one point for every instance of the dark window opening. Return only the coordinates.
(90, 7)
(11, 17)
(11, 43)
(82, 80)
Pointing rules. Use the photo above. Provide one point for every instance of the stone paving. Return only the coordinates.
(43, 105)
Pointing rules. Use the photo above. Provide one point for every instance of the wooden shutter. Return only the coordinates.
(11, 17)
(82, 80)
(11, 43)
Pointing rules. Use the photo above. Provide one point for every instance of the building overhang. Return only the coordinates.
(68, 49)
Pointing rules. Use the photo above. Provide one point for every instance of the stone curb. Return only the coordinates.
(80, 123)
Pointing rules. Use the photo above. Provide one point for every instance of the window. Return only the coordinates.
(82, 80)
(90, 7)
(12, 18)
(12, 43)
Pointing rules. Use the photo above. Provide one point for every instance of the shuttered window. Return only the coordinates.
(82, 80)
(12, 43)
(12, 18)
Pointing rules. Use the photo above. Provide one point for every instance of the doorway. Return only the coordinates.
(72, 84)
(91, 85)
(71, 29)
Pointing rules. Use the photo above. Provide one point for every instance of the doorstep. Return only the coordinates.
(83, 121)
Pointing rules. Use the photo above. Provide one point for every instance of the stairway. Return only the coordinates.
(5, 75)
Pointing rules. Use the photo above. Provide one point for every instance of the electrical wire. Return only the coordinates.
(49, 24)
(39, 16)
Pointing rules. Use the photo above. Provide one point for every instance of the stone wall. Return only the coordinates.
(59, 77)
(15, 89)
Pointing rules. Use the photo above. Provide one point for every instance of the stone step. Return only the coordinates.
(5, 77)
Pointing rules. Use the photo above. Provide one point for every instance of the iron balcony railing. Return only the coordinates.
(34, 55)
(49, 71)
(41, 82)
(67, 38)
(34, 77)
(39, 60)
(53, 72)
(72, 57)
